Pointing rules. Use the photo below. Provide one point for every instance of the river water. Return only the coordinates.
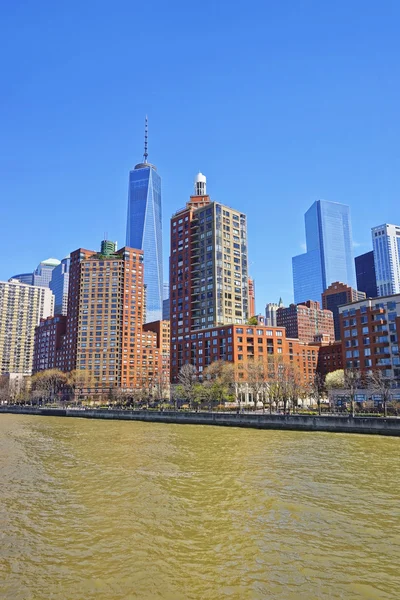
(119, 510)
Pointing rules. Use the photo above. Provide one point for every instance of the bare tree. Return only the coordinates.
(5, 395)
(381, 384)
(187, 378)
(49, 383)
(352, 382)
(256, 374)
(316, 389)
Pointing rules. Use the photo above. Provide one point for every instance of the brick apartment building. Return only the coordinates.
(370, 331)
(48, 339)
(306, 321)
(252, 297)
(336, 295)
(104, 333)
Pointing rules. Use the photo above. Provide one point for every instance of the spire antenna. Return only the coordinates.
(146, 133)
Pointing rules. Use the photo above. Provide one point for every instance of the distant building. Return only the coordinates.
(144, 229)
(43, 272)
(166, 301)
(386, 244)
(329, 255)
(270, 313)
(365, 273)
(59, 286)
(162, 331)
(336, 295)
(21, 308)
(306, 321)
(252, 297)
(24, 278)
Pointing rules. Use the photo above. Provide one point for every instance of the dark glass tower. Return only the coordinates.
(144, 230)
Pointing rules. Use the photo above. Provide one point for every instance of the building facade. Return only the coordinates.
(370, 335)
(59, 286)
(386, 244)
(365, 274)
(306, 321)
(330, 358)
(21, 308)
(144, 230)
(270, 312)
(163, 339)
(208, 269)
(329, 255)
(48, 339)
(43, 273)
(336, 295)
(252, 297)
(165, 315)
(24, 278)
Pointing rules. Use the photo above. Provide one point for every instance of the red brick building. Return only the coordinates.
(48, 338)
(336, 295)
(330, 358)
(306, 321)
(252, 297)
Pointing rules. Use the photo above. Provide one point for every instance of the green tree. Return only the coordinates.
(253, 321)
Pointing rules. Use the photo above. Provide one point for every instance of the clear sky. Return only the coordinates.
(278, 103)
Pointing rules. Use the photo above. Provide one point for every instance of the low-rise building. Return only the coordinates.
(306, 321)
(336, 295)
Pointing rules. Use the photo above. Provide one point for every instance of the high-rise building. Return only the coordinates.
(370, 335)
(252, 297)
(306, 322)
(48, 339)
(24, 278)
(166, 301)
(365, 273)
(59, 286)
(21, 308)
(336, 295)
(144, 229)
(386, 244)
(208, 270)
(329, 255)
(270, 312)
(44, 271)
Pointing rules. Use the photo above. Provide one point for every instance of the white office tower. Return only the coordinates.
(386, 245)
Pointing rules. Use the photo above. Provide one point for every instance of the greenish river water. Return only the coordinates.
(119, 510)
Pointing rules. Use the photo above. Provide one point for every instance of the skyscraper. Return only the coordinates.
(59, 286)
(208, 270)
(144, 229)
(21, 308)
(365, 273)
(329, 255)
(270, 312)
(44, 271)
(386, 244)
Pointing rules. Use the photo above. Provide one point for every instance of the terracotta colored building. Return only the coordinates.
(336, 295)
(161, 329)
(242, 343)
(252, 297)
(330, 358)
(48, 338)
(306, 321)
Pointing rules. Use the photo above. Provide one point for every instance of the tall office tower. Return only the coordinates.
(21, 308)
(329, 255)
(307, 322)
(59, 286)
(252, 297)
(365, 273)
(166, 301)
(208, 269)
(24, 278)
(336, 295)
(44, 271)
(270, 312)
(144, 229)
(386, 244)
(104, 322)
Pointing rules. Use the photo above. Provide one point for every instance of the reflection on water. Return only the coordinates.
(117, 510)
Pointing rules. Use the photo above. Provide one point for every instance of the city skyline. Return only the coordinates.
(79, 123)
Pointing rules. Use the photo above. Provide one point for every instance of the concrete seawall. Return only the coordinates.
(338, 424)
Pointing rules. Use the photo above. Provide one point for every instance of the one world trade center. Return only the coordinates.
(144, 229)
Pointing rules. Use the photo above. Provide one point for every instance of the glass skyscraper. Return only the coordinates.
(59, 286)
(386, 244)
(329, 256)
(144, 230)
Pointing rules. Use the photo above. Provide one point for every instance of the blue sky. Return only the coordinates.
(278, 103)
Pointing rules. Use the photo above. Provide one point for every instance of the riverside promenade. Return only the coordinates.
(329, 423)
